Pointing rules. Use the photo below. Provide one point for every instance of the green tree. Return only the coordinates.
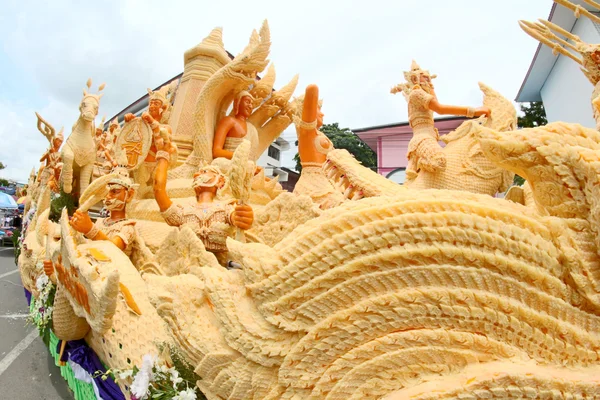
(534, 115)
(3, 182)
(344, 138)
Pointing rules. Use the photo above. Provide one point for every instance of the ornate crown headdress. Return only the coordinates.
(160, 94)
(415, 70)
(60, 135)
(122, 177)
(114, 122)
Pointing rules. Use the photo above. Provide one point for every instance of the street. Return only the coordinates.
(27, 370)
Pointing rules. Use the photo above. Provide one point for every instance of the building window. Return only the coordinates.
(274, 152)
(398, 175)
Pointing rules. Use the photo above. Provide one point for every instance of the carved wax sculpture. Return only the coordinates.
(424, 152)
(49, 173)
(270, 114)
(135, 142)
(467, 167)
(405, 294)
(552, 36)
(79, 153)
(211, 220)
(313, 147)
(116, 228)
(233, 129)
(105, 153)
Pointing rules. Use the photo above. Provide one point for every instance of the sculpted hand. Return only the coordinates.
(147, 117)
(164, 145)
(81, 222)
(48, 267)
(483, 111)
(129, 117)
(243, 216)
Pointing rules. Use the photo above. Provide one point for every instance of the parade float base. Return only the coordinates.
(81, 389)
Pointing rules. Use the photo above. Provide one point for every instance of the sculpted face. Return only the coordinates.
(57, 142)
(155, 108)
(89, 108)
(245, 107)
(425, 82)
(116, 198)
(206, 180)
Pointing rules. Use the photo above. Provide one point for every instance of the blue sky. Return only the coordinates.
(354, 50)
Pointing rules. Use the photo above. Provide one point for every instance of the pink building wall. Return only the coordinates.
(390, 142)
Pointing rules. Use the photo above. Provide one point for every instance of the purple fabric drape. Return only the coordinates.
(79, 352)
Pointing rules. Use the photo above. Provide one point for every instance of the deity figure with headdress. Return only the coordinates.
(424, 152)
(138, 138)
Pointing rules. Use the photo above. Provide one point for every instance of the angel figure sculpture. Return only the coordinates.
(424, 152)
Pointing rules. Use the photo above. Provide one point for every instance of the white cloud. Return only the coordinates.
(354, 50)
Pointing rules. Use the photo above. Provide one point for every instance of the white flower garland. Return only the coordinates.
(154, 381)
(41, 312)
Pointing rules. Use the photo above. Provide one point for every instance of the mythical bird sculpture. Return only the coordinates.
(376, 297)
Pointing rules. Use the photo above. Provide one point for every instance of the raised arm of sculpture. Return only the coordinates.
(312, 145)
(163, 157)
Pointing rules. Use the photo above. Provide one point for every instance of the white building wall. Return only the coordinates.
(271, 165)
(567, 92)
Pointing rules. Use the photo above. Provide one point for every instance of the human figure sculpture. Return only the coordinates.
(313, 147)
(158, 103)
(116, 228)
(105, 155)
(424, 152)
(99, 132)
(211, 220)
(233, 129)
(79, 154)
(114, 129)
(52, 161)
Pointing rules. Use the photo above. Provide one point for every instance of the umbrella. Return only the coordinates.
(6, 201)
